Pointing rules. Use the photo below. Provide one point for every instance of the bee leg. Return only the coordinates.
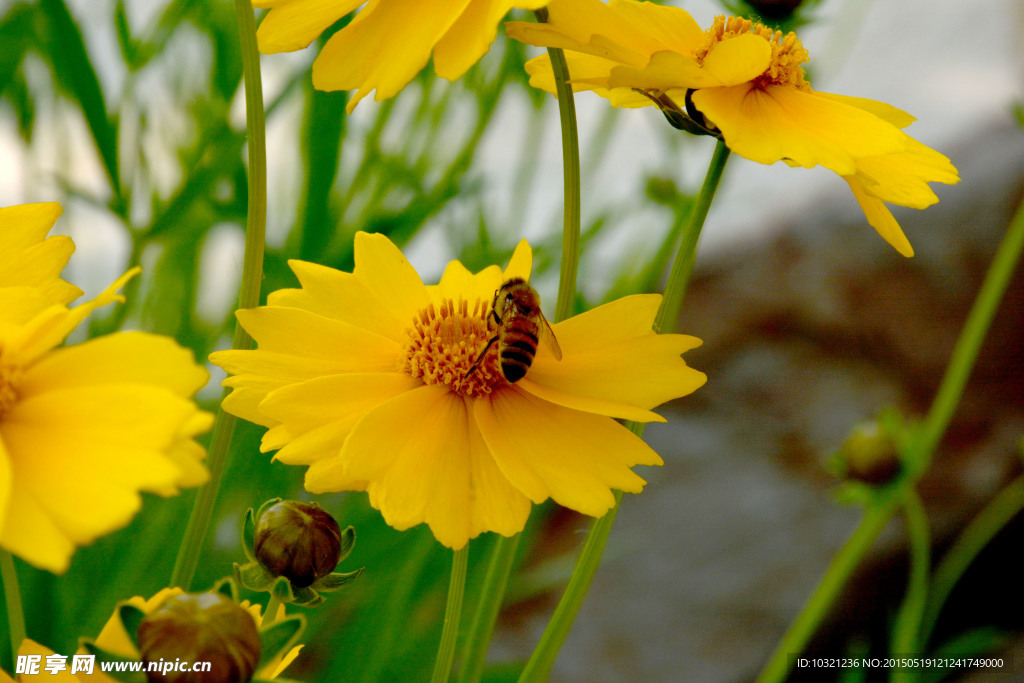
(480, 358)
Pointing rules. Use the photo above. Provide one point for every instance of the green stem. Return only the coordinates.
(12, 600)
(500, 566)
(539, 666)
(918, 455)
(270, 614)
(906, 629)
(452, 614)
(993, 517)
(570, 186)
(682, 267)
(969, 343)
(249, 295)
(474, 651)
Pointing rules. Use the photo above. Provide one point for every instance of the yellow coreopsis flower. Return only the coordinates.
(388, 41)
(85, 428)
(372, 379)
(743, 82)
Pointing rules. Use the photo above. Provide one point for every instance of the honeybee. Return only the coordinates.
(519, 327)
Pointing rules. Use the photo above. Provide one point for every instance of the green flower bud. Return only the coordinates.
(298, 541)
(869, 455)
(775, 10)
(200, 627)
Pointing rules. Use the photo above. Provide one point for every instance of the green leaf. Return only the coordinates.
(280, 637)
(131, 617)
(336, 580)
(348, 541)
(74, 73)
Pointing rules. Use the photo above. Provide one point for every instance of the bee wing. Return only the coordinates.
(547, 336)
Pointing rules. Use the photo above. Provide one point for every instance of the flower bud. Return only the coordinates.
(869, 455)
(200, 627)
(298, 541)
(775, 10)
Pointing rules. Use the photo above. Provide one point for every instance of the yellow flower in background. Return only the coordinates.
(30, 259)
(743, 82)
(85, 428)
(365, 377)
(388, 42)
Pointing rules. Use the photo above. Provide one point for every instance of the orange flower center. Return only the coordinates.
(787, 51)
(444, 345)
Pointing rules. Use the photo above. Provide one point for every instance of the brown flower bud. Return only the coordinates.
(299, 541)
(199, 627)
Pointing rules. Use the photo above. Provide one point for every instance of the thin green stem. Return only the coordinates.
(249, 295)
(570, 187)
(969, 343)
(500, 566)
(682, 267)
(474, 650)
(452, 614)
(907, 626)
(918, 456)
(1006, 505)
(539, 666)
(270, 614)
(12, 599)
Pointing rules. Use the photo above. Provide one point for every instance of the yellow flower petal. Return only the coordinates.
(586, 72)
(880, 218)
(31, 647)
(806, 130)
(341, 296)
(546, 450)
(292, 26)
(405, 32)
(6, 483)
(735, 61)
(469, 37)
(903, 178)
(301, 333)
(886, 112)
(50, 327)
(119, 357)
(336, 400)
(28, 257)
(29, 533)
(622, 373)
(382, 267)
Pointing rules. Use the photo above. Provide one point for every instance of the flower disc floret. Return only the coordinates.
(444, 344)
(788, 53)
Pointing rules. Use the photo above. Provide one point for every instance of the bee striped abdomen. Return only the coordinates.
(517, 348)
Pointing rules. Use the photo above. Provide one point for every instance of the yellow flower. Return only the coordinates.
(113, 638)
(388, 41)
(28, 258)
(745, 83)
(84, 428)
(364, 377)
